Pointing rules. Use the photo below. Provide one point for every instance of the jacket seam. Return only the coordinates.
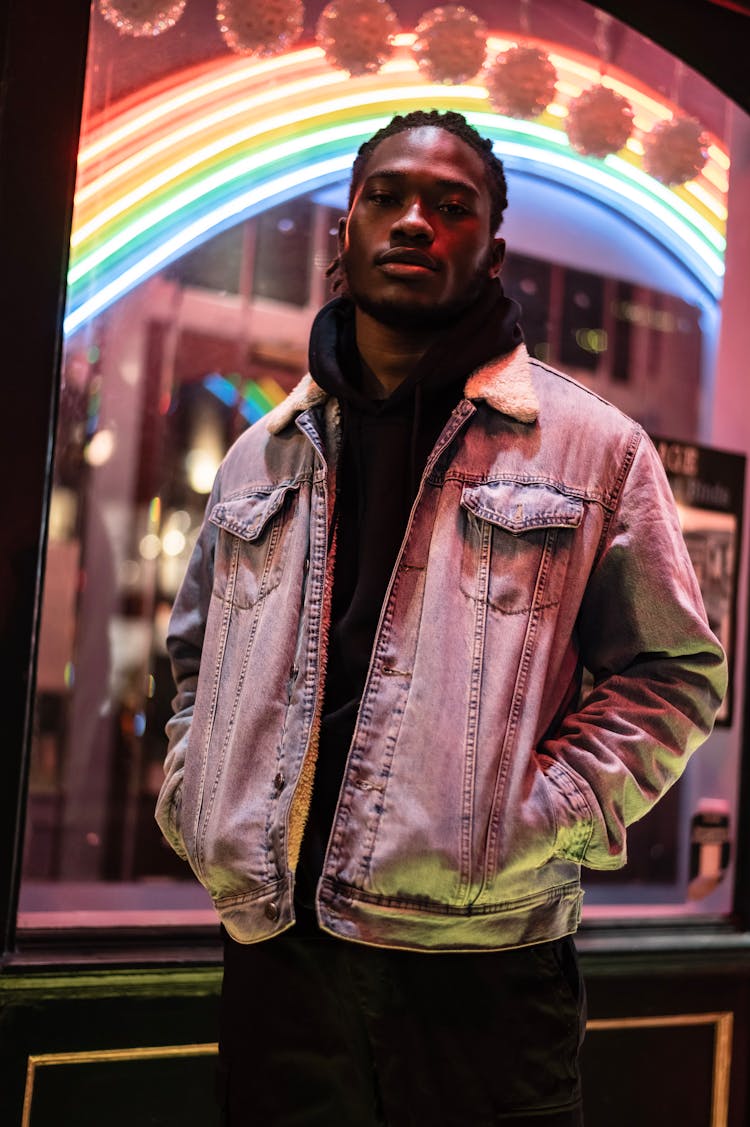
(473, 713)
(627, 463)
(226, 614)
(219, 768)
(548, 895)
(493, 843)
(264, 486)
(565, 489)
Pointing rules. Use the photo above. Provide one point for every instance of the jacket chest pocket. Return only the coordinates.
(517, 540)
(253, 542)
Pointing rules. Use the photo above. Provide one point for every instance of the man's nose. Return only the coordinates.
(414, 224)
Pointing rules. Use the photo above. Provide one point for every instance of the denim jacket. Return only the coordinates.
(543, 542)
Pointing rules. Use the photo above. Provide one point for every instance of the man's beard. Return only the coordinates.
(414, 315)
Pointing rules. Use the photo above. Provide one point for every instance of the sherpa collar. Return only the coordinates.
(504, 384)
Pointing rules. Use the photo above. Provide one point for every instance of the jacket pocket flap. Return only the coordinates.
(247, 516)
(517, 507)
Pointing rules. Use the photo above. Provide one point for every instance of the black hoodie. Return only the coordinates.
(385, 445)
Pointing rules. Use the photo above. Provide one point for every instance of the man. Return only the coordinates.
(381, 747)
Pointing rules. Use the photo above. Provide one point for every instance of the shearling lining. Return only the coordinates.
(504, 384)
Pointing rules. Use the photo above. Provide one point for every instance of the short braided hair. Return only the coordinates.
(451, 122)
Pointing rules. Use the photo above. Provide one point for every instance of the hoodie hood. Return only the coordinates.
(489, 328)
(504, 383)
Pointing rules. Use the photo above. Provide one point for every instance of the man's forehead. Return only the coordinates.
(452, 183)
(430, 150)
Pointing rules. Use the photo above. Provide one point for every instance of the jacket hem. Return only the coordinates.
(349, 914)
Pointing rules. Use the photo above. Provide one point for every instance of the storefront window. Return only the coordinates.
(211, 179)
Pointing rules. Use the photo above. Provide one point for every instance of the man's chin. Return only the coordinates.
(412, 315)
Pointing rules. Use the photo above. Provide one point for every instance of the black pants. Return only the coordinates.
(317, 1032)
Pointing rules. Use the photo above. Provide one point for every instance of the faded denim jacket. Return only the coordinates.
(543, 541)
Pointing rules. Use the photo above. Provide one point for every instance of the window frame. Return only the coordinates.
(44, 66)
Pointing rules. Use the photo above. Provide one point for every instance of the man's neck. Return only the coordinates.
(389, 355)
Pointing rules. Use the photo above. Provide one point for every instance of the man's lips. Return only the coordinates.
(406, 256)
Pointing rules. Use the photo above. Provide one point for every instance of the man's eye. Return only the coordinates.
(451, 207)
(382, 199)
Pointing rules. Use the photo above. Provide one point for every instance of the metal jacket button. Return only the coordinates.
(280, 781)
(272, 910)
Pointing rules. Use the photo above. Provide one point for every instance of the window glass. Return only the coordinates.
(211, 180)
(282, 252)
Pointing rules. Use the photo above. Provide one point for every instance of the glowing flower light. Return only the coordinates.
(521, 82)
(450, 44)
(142, 17)
(260, 28)
(357, 35)
(599, 122)
(675, 151)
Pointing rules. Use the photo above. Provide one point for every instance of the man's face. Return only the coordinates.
(416, 246)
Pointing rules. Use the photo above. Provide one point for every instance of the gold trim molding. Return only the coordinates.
(102, 1056)
(723, 1022)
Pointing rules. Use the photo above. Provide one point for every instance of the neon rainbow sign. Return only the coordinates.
(229, 139)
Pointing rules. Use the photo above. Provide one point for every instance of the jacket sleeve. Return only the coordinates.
(659, 674)
(187, 628)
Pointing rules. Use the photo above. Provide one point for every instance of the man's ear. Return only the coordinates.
(342, 234)
(498, 255)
